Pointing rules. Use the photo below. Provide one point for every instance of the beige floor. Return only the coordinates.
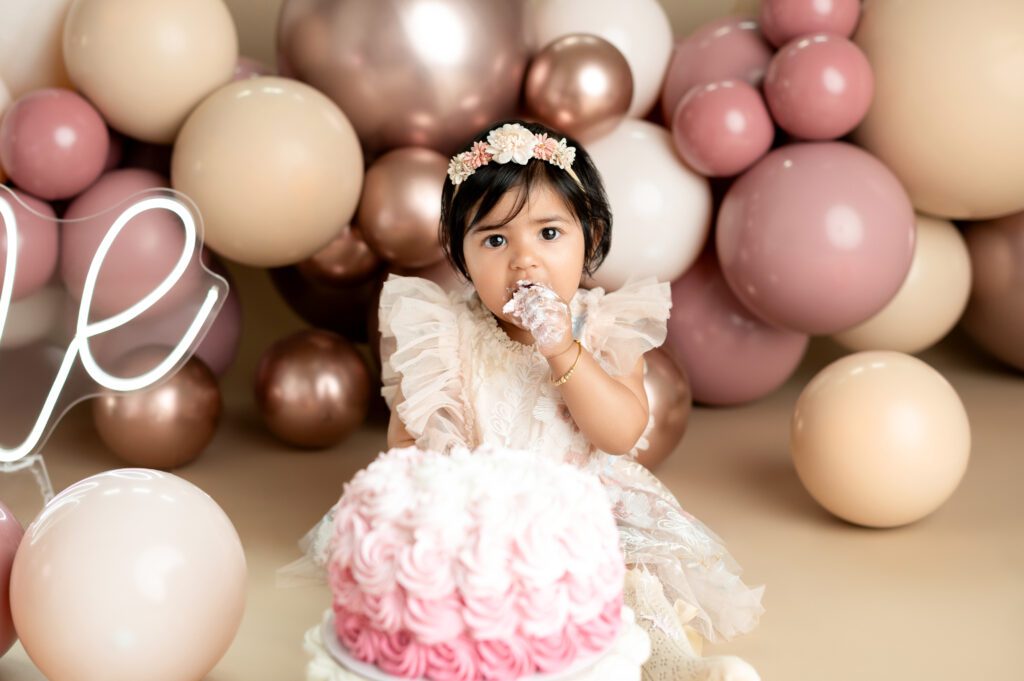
(941, 600)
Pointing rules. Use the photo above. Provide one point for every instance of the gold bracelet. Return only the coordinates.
(568, 374)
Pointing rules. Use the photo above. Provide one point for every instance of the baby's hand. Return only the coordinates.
(541, 312)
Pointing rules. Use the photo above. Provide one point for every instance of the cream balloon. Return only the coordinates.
(931, 299)
(945, 119)
(145, 64)
(275, 168)
(661, 208)
(639, 29)
(129, 574)
(880, 438)
(30, 45)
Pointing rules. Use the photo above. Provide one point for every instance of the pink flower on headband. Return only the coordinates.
(512, 143)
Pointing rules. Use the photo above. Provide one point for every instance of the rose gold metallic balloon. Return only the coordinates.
(346, 260)
(995, 311)
(163, 427)
(670, 401)
(341, 308)
(581, 85)
(312, 388)
(401, 206)
(414, 72)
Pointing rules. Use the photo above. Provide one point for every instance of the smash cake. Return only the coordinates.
(475, 566)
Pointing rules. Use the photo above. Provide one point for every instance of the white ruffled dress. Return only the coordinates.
(464, 382)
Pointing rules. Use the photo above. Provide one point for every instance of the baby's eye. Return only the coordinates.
(549, 233)
(494, 241)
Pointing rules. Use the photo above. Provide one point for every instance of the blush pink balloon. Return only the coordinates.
(10, 537)
(720, 129)
(816, 237)
(37, 244)
(142, 255)
(53, 143)
(730, 355)
(724, 49)
(819, 87)
(783, 20)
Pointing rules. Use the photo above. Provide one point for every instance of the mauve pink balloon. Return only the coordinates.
(53, 143)
(724, 49)
(220, 345)
(819, 87)
(141, 256)
(721, 128)
(816, 237)
(37, 244)
(783, 20)
(730, 355)
(10, 537)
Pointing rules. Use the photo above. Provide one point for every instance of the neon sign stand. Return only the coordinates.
(69, 385)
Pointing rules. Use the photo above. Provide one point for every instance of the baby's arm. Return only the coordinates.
(398, 436)
(611, 411)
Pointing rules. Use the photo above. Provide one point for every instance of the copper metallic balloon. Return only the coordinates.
(995, 312)
(163, 427)
(581, 85)
(670, 401)
(312, 388)
(401, 206)
(346, 260)
(341, 308)
(408, 72)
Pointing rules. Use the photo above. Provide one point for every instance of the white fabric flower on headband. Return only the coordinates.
(512, 143)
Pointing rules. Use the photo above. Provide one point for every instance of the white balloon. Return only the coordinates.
(30, 45)
(661, 209)
(640, 29)
(931, 299)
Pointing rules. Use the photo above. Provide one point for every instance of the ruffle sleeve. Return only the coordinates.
(619, 327)
(420, 356)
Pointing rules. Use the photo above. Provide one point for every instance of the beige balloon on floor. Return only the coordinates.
(145, 64)
(949, 101)
(880, 438)
(931, 299)
(275, 168)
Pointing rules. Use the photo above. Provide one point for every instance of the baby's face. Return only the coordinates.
(543, 244)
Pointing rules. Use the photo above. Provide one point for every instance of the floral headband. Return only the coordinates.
(512, 142)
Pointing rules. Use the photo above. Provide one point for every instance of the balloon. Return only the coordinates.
(995, 312)
(947, 121)
(816, 237)
(341, 308)
(730, 356)
(37, 244)
(250, 68)
(662, 208)
(166, 426)
(462, 64)
(931, 299)
(346, 260)
(53, 143)
(401, 206)
(274, 167)
(10, 537)
(129, 573)
(30, 45)
(5, 101)
(639, 29)
(880, 439)
(784, 20)
(147, 64)
(819, 87)
(669, 400)
(730, 48)
(312, 389)
(141, 256)
(722, 128)
(579, 85)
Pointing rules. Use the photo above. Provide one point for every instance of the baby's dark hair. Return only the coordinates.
(480, 192)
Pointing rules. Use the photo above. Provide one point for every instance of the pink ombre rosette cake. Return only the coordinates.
(475, 566)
